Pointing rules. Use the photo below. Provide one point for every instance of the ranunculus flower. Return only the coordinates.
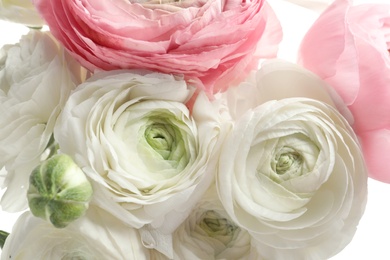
(291, 171)
(215, 41)
(209, 233)
(36, 77)
(20, 11)
(148, 156)
(98, 235)
(348, 47)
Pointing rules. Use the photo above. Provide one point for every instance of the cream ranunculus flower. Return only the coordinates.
(291, 171)
(20, 11)
(97, 235)
(36, 77)
(209, 233)
(148, 156)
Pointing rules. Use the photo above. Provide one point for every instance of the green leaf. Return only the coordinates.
(3, 237)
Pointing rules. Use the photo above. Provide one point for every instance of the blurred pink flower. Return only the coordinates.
(216, 41)
(348, 46)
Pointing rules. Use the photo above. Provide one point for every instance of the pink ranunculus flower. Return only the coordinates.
(217, 41)
(348, 46)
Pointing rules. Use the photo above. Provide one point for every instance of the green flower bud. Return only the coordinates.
(59, 191)
(218, 227)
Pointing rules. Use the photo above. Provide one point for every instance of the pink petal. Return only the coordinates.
(376, 149)
(216, 41)
(372, 107)
(328, 49)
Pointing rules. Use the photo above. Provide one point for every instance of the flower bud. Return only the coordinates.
(59, 191)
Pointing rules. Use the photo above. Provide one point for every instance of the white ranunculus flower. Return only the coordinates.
(20, 11)
(97, 235)
(209, 233)
(36, 77)
(291, 171)
(132, 134)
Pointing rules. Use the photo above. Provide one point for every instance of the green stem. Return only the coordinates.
(3, 237)
(35, 27)
(52, 146)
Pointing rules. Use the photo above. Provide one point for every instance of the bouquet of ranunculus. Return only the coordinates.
(168, 130)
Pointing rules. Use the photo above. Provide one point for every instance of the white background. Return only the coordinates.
(372, 240)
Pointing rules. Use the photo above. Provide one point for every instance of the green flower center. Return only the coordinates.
(75, 256)
(291, 156)
(218, 227)
(155, 141)
(161, 137)
(76, 250)
(167, 140)
(287, 160)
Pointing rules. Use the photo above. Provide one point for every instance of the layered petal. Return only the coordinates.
(36, 78)
(95, 236)
(291, 171)
(215, 41)
(209, 233)
(150, 159)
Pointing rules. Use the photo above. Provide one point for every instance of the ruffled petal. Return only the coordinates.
(328, 49)
(218, 42)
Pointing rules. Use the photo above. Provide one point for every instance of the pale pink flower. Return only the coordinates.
(217, 41)
(348, 47)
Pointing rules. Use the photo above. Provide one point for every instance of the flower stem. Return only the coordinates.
(3, 237)
(51, 149)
